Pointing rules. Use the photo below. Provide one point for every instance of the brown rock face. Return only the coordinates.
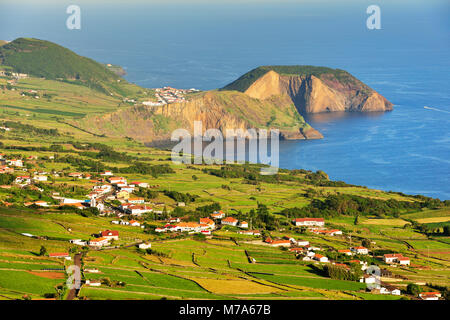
(312, 94)
(222, 110)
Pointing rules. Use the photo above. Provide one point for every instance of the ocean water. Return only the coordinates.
(207, 44)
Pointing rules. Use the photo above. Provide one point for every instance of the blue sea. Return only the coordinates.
(207, 44)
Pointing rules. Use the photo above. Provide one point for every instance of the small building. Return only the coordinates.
(91, 270)
(41, 203)
(207, 223)
(230, 221)
(347, 252)
(136, 200)
(430, 295)
(99, 242)
(391, 258)
(243, 224)
(218, 215)
(145, 245)
(93, 283)
(78, 242)
(308, 222)
(320, 258)
(280, 243)
(140, 184)
(138, 210)
(40, 178)
(59, 255)
(188, 227)
(110, 234)
(360, 250)
(134, 223)
(302, 243)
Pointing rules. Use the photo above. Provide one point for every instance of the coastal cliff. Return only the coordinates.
(215, 109)
(312, 89)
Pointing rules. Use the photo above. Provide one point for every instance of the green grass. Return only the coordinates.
(318, 283)
(27, 283)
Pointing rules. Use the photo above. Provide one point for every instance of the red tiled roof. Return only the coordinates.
(110, 233)
(59, 254)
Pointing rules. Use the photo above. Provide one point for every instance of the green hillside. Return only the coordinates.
(45, 59)
(245, 81)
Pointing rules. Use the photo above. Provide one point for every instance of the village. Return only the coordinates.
(117, 200)
(168, 95)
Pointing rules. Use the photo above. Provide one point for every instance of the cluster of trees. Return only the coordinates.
(6, 178)
(146, 193)
(147, 169)
(341, 273)
(180, 197)
(438, 228)
(81, 164)
(27, 128)
(335, 205)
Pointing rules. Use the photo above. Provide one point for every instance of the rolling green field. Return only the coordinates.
(185, 266)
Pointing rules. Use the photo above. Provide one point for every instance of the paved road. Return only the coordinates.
(73, 292)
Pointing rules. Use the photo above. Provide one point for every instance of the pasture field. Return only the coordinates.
(184, 266)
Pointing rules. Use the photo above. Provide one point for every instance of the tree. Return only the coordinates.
(447, 230)
(413, 289)
(43, 251)
(366, 243)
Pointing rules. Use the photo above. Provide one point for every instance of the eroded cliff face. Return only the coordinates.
(312, 94)
(215, 109)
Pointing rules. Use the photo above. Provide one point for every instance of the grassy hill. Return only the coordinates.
(245, 81)
(48, 60)
(44, 59)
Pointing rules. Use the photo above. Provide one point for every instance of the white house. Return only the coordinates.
(91, 270)
(15, 162)
(41, 203)
(137, 210)
(145, 245)
(396, 258)
(218, 215)
(134, 223)
(99, 242)
(391, 258)
(360, 250)
(430, 295)
(110, 234)
(347, 252)
(308, 222)
(302, 243)
(320, 258)
(78, 242)
(230, 221)
(40, 178)
(136, 200)
(243, 224)
(93, 283)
